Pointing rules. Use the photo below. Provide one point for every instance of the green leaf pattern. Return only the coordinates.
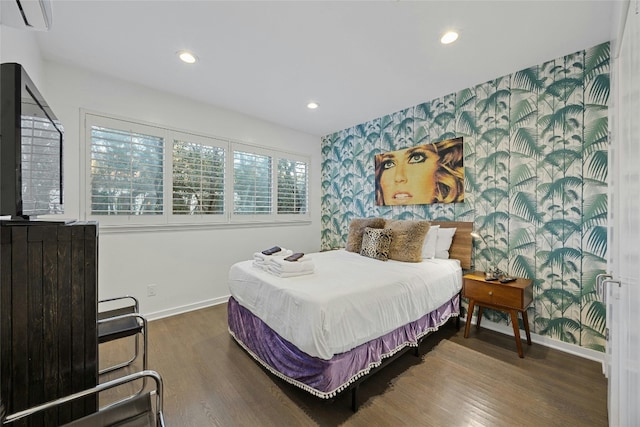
(536, 160)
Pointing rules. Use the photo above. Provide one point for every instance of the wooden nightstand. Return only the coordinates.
(512, 297)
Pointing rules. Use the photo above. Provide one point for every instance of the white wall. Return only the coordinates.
(20, 46)
(189, 267)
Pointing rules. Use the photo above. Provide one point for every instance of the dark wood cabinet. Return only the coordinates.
(48, 312)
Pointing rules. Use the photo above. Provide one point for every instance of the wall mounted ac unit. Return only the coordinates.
(29, 14)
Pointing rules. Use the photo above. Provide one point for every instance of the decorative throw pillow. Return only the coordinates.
(376, 242)
(408, 237)
(356, 230)
(429, 246)
(445, 238)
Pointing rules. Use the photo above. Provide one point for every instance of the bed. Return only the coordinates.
(325, 332)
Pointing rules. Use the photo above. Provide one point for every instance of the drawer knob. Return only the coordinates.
(490, 292)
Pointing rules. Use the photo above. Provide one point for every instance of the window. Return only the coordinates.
(146, 174)
(126, 172)
(251, 183)
(198, 179)
(292, 187)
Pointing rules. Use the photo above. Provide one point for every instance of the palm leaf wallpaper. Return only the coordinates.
(536, 164)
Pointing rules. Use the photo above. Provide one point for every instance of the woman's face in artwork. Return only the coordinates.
(408, 176)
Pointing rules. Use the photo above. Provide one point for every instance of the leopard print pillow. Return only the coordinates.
(356, 231)
(376, 243)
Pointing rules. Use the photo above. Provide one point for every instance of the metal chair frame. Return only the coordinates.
(159, 416)
(132, 322)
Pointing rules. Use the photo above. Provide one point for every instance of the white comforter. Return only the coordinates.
(349, 300)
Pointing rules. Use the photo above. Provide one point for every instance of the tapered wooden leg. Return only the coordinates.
(525, 320)
(516, 331)
(472, 304)
(479, 318)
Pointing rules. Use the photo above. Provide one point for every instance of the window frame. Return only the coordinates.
(168, 219)
(121, 125)
(234, 217)
(295, 158)
(168, 176)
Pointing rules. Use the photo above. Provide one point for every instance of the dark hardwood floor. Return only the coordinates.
(478, 381)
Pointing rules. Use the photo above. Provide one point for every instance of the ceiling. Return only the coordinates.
(358, 60)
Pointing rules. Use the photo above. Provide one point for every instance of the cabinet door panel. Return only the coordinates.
(48, 306)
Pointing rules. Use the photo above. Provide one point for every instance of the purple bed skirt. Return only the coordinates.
(326, 378)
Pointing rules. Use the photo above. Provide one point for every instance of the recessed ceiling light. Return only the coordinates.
(187, 57)
(449, 37)
(312, 105)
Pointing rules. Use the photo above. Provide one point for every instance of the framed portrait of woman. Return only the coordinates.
(424, 174)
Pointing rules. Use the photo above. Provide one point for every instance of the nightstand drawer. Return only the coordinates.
(493, 293)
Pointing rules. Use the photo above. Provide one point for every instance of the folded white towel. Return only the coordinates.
(283, 262)
(281, 265)
(259, 256)
(260, 265)
(290, 274)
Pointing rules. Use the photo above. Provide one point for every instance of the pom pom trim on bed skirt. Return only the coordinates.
(340, 372)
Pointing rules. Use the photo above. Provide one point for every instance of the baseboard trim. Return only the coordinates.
(586, 353)
(185, 308)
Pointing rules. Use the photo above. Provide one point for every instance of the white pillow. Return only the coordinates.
(445, 237)
(429, 245)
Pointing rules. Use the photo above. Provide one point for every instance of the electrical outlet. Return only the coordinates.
(151, 290)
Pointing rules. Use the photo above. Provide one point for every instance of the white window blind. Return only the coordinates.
(251, 183)
(41, 169)
(198, 179)
(292, 187)
(126, 172)
(141, 174)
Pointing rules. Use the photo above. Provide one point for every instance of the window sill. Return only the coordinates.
(155, 228)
